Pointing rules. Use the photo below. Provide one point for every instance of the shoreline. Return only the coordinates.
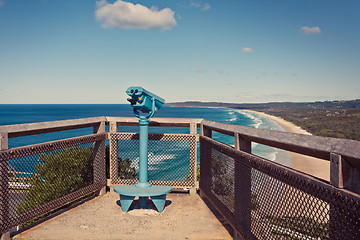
(288, 126)
(310, 165)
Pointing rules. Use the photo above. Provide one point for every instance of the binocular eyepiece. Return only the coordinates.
(134, 91)
(144, 101)
(132, 101)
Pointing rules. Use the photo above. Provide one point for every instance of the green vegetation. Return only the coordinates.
(254, 203)
(303, 225)
(223, 181)
(198, 172)
(337, 123)
(64, 171)
(188, 177)
(338, 119)
(125, 170)
(58, 173)
(222, 177)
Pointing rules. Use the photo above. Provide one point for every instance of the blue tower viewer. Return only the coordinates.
(147, 103)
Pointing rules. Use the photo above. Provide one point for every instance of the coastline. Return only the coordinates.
(310, 165)
(288, 126)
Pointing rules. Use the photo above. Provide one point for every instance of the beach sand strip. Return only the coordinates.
(310, 165)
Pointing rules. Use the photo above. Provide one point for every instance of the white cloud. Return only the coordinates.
(195, 4)
(203, 7)
(247, 50)
(310, 30)
(126, 15)
(1, 3)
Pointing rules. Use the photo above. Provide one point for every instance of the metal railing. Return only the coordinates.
(49, 176)
(259, 198)
(265, 200)
(172, 157)
(41, 178)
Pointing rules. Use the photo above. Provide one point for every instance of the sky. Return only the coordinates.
(238, 51)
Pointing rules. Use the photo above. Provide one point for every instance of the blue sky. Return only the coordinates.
(84, 51)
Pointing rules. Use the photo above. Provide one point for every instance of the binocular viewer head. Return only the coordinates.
(143, 100)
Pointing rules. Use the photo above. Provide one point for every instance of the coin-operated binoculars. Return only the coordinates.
(144, 104)
(144, 101)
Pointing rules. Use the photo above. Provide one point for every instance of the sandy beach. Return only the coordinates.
(314, 166)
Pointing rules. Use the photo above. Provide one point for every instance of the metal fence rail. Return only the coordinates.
(172, 159)
(40, 178)
(265, 200)
(259, 198)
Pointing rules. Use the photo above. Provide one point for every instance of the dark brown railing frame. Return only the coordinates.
(98, 124)
(344, 155)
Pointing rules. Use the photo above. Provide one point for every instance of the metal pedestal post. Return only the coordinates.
(143, 188)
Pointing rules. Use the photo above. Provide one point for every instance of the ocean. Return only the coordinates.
(30, 113)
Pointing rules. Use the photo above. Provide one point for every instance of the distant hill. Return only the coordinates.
(340, 119)
(351, 104)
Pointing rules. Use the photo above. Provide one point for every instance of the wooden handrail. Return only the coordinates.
(26, 129)
(315, 146)
(161, 122)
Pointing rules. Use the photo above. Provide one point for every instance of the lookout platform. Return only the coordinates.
(258, 198)
(185, 217)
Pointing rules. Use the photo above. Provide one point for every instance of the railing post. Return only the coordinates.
(99, 158)
(4, 188)
(241, 144)
(113, 153)
(205, 168)
(193, 131)
(336, 179)
(205, 131)
(205, 161)
(112, 127)
(193, 128)
(242, 190)
(342, 175)
(339, 168)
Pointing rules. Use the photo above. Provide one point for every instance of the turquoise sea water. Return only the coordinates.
(28, 113)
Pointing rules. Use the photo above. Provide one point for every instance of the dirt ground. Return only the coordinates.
(185, 217)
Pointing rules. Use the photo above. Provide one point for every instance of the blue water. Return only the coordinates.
(29, 113)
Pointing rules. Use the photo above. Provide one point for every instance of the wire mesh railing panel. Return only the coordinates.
(222, 178)
(284, 210)
(171, 159)
(41, 178)
(265, 200)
